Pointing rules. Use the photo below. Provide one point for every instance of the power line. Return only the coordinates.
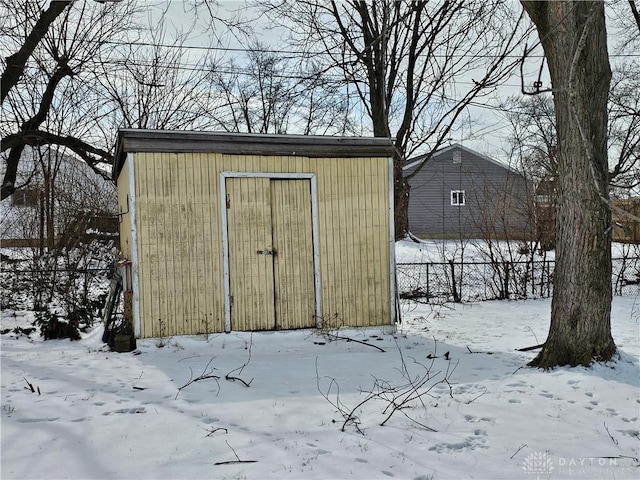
(182, 46)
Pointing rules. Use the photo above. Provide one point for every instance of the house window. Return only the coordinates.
(25, 197)
(457, 156)
(457, 197)
(544, 200)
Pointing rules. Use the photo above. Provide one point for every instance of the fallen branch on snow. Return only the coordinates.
(526, 349)
(207, 373)
(231, 462)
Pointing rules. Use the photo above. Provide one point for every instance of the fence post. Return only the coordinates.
(454, 287)
(427, 272)
(484, 276)
(533, 278)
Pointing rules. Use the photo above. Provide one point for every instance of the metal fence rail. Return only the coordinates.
(438, 282)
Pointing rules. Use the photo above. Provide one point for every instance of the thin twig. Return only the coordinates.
(33, 390)
(397, 398)
(206, 375)
(333, 336)
(521, 447)
(231, 378)
(533, 333)
(635, 459)
(610, 436)
(230, 462)
(216, 429)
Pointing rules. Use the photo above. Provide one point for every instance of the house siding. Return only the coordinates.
(179, 237)
(497, 199)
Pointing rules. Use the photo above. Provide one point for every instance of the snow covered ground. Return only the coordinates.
(99, 414)
(314, 405)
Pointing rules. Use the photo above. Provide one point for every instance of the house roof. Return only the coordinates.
(179, 141)
(414, 162)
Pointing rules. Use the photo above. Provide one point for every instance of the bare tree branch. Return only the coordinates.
(16, 62)
(634, 11)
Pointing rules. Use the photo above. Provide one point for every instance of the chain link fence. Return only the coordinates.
(439, 282)
(32, 289)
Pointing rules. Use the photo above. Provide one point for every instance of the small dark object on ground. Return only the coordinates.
(56, 328)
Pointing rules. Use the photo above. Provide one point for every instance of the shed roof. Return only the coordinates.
(180, 141)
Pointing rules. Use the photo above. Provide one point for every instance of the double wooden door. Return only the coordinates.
(270, 248)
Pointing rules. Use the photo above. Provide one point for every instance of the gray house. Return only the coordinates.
(459, 193)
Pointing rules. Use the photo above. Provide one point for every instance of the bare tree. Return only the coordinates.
(624, 128)
(268, 93)
(155, 82)
(533, 140)
(414, 67)
(573, 36)
(15, 63)
(65, 57)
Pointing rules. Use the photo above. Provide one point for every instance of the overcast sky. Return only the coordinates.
(488, 133)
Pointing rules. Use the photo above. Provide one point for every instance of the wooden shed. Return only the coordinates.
(247, 232)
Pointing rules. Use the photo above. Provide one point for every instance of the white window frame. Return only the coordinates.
(455, 198)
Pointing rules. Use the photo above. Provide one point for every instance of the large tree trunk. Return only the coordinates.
(401, 190)
(574, 39)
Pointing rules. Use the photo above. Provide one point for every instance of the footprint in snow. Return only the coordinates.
(477, 440)
(472, 419)
(38, 420)
(210, 420)
(126, 410)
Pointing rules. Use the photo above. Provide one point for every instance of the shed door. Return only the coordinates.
(271, 275)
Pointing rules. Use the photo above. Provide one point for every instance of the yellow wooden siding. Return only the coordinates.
(177, 217)
(354, 232)
(124, 211)
(180, 238)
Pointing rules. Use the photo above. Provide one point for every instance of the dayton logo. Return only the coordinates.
(538, 463)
